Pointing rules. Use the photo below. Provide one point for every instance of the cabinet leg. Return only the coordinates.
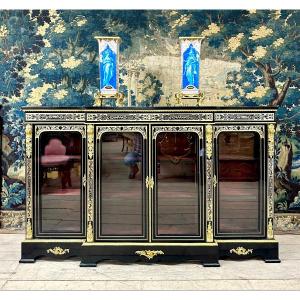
(214, 263)
(27, 260)
(272, 260)
(88, 262)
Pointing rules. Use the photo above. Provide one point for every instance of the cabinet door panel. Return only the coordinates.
(120, 186)
(60, 168)
(240, 186)
(177, 199)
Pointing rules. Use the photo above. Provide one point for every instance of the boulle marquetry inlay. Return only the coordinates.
(140, 129)
(260, 129)
(244, 116)
(42, 128)
(28, 165)
(157, 129)
(174, 116)
(54, 116)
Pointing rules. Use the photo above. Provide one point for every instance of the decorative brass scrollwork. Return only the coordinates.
(149, 182)
(215, 181)
(271, 133)
(209, 137)
(241, 251)
(149, 253)
(29, 229)
(58, 251)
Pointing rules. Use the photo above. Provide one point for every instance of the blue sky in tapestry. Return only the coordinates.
(50, 58)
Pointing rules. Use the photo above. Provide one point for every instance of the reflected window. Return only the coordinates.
(60, 182)
(239, 207)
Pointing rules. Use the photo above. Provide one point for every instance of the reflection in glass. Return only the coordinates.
(121, 210)
(60, 182)
(177, 203)
(239, 178)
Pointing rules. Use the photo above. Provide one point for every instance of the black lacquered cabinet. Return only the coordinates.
(159, 184)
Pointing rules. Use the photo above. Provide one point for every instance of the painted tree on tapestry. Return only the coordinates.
(267, 45)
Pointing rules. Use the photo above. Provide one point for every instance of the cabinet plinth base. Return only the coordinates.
(206, 254)
(241, 249)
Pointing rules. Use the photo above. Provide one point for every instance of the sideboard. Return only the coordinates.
(154, 184)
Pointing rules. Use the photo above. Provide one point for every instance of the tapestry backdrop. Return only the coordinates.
(248, 58)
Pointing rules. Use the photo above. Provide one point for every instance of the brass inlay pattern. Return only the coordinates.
(270, 181)
(28, 164)
(241, 251)
(236, 117)
(55, 116)
(149, 253)
(141, 129)
(158, 129)
(157, 116)
(84, 180)
(271, 133)
(208, 137)
(29, 233)
(270, 233)
(41, 128)
(149, 182)
(215, 181)
(58, 251)
(209, 232)
(209, 183)
(90, 184)
(257, 128)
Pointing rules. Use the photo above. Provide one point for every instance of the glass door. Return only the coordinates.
(177, 209)
(239, 182)
(59, 170)
(121, 196)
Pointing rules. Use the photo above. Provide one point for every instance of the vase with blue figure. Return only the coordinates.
(108, 65)
(190, 65)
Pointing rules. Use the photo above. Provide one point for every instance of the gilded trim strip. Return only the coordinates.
(90, 184)
(209, 183)
(42, 128)
(270, 182)
(28, 164)
(245, 117)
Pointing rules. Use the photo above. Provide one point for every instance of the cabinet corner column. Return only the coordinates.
(90, 184)
(209, 182)
(270, 182)
(28, 167)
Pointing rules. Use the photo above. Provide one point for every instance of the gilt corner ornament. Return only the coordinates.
(149, 253)
(58, 251)
(29, 230)
(90, 235)
(270, 233)
(209, 233)
(241, 251)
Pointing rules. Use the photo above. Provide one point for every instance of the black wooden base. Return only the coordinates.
(265, 249)
(93, 253)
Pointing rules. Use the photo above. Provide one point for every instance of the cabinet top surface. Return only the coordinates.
(154, 109)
